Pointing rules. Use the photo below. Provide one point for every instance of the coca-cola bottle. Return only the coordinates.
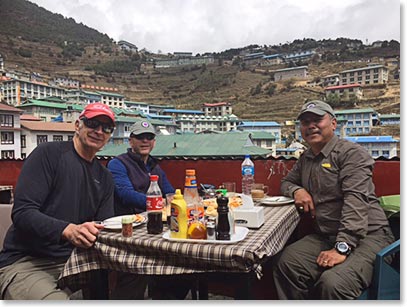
(154, 207)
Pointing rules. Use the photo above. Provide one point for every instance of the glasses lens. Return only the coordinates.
(94, 124)
(143, 136)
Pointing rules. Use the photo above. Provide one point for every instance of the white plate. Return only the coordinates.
(277, 200)
(240, 234)
(115, 222)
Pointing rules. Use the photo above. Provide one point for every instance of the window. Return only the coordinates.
(70, 137)
(7, 138)
(7, 154)
(375, 153)
(42, 139)
(57, 138)
(23, 141)
(386, 153)
(6, 120)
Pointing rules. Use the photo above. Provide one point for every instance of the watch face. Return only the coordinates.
(342, 248)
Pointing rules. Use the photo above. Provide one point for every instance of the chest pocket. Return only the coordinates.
(328, 177)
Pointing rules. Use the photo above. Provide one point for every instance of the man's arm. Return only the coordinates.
(124, 188)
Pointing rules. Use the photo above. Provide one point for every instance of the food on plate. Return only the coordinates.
(210, 202)
(211, 211)
(138, 218)
(235, 201)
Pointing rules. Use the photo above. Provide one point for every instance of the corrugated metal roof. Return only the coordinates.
(48, 126)
(372, 139)
(259, 124)
(351, 111)
(5, 107)
(197, 145)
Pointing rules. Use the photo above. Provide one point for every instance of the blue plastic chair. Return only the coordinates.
(386, 279)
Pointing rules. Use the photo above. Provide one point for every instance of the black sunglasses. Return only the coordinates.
(94, 124)
(143, 136)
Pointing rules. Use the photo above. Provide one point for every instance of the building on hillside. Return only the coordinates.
(345, 92)
(10, 132)
(183, 54)
(359, 121)
(299, 56)
(81, 96)
(330, 80)
(389, 119)
(140, 106)
(263, 139)
(377, 146)
(17, 91)
(271, 127)
(273, 59)
(184, 61)
(375, 74)
(112, 99)
(65, 82)
(217, 108)
(198, 123)
(300, 72)
(34, 133)
(45, 110)
(253, 58)
(127, 46)
(179, 112)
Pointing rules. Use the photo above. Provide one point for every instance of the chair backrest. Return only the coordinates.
(5, 221)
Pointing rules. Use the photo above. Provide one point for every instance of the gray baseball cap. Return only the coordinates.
(142, 126)
(317, 107)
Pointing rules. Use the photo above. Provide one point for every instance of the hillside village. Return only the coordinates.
(255, 90)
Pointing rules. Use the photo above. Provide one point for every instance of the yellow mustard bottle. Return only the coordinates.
(179, 219)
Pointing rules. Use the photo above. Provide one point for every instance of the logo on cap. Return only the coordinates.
(145, 124)
(311, 105)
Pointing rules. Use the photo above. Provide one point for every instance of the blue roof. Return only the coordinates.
(184, 111)
(372, 139)
(259, 124)
(272, 56)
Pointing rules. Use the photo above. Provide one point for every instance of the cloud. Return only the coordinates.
(215, 25)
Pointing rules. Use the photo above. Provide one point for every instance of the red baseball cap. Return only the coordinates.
(96, 109)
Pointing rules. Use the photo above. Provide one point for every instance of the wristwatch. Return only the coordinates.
(343, 248)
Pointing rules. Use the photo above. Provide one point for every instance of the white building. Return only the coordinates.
(300, 72)
(377, 146)
(35, 132)
(345, 91)
(217, 109)
(375, 74)
(10, 132)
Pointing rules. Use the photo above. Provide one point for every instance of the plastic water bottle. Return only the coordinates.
(247, 175)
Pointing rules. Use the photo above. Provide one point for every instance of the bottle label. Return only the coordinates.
(248, 170)
(191, 212)
(154, 203)
(190, 183)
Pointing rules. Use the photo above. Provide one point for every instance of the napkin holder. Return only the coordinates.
(251, 218)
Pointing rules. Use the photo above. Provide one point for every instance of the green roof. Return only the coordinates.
(197, 145)
(351, 111)
(262, 135)
(42, 103)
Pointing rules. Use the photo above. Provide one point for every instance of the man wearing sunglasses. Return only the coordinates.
(131, 173)
(131, 170)
(62, 189)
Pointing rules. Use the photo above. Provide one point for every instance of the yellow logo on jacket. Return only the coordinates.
(326, 165)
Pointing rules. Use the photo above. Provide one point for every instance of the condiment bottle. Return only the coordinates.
(178, 220)
(127, 225)
(197, 229)
(191, 196)
(223, 227)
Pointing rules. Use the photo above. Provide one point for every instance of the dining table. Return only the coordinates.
(152, 254)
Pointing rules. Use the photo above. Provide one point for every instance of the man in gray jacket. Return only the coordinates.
(331, 181)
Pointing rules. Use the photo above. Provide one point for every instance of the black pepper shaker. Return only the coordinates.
(223, 227)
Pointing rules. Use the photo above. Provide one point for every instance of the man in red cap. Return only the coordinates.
(62, 189)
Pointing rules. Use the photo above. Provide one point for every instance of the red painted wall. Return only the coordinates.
(386, 175)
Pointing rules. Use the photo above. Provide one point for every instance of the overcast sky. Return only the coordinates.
(200, 26)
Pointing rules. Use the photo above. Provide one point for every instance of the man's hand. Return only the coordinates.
(304, 202)
(82, 235)
(330, 258)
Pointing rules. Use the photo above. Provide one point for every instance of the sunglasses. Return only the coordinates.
(94, 124)
(143, 136)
